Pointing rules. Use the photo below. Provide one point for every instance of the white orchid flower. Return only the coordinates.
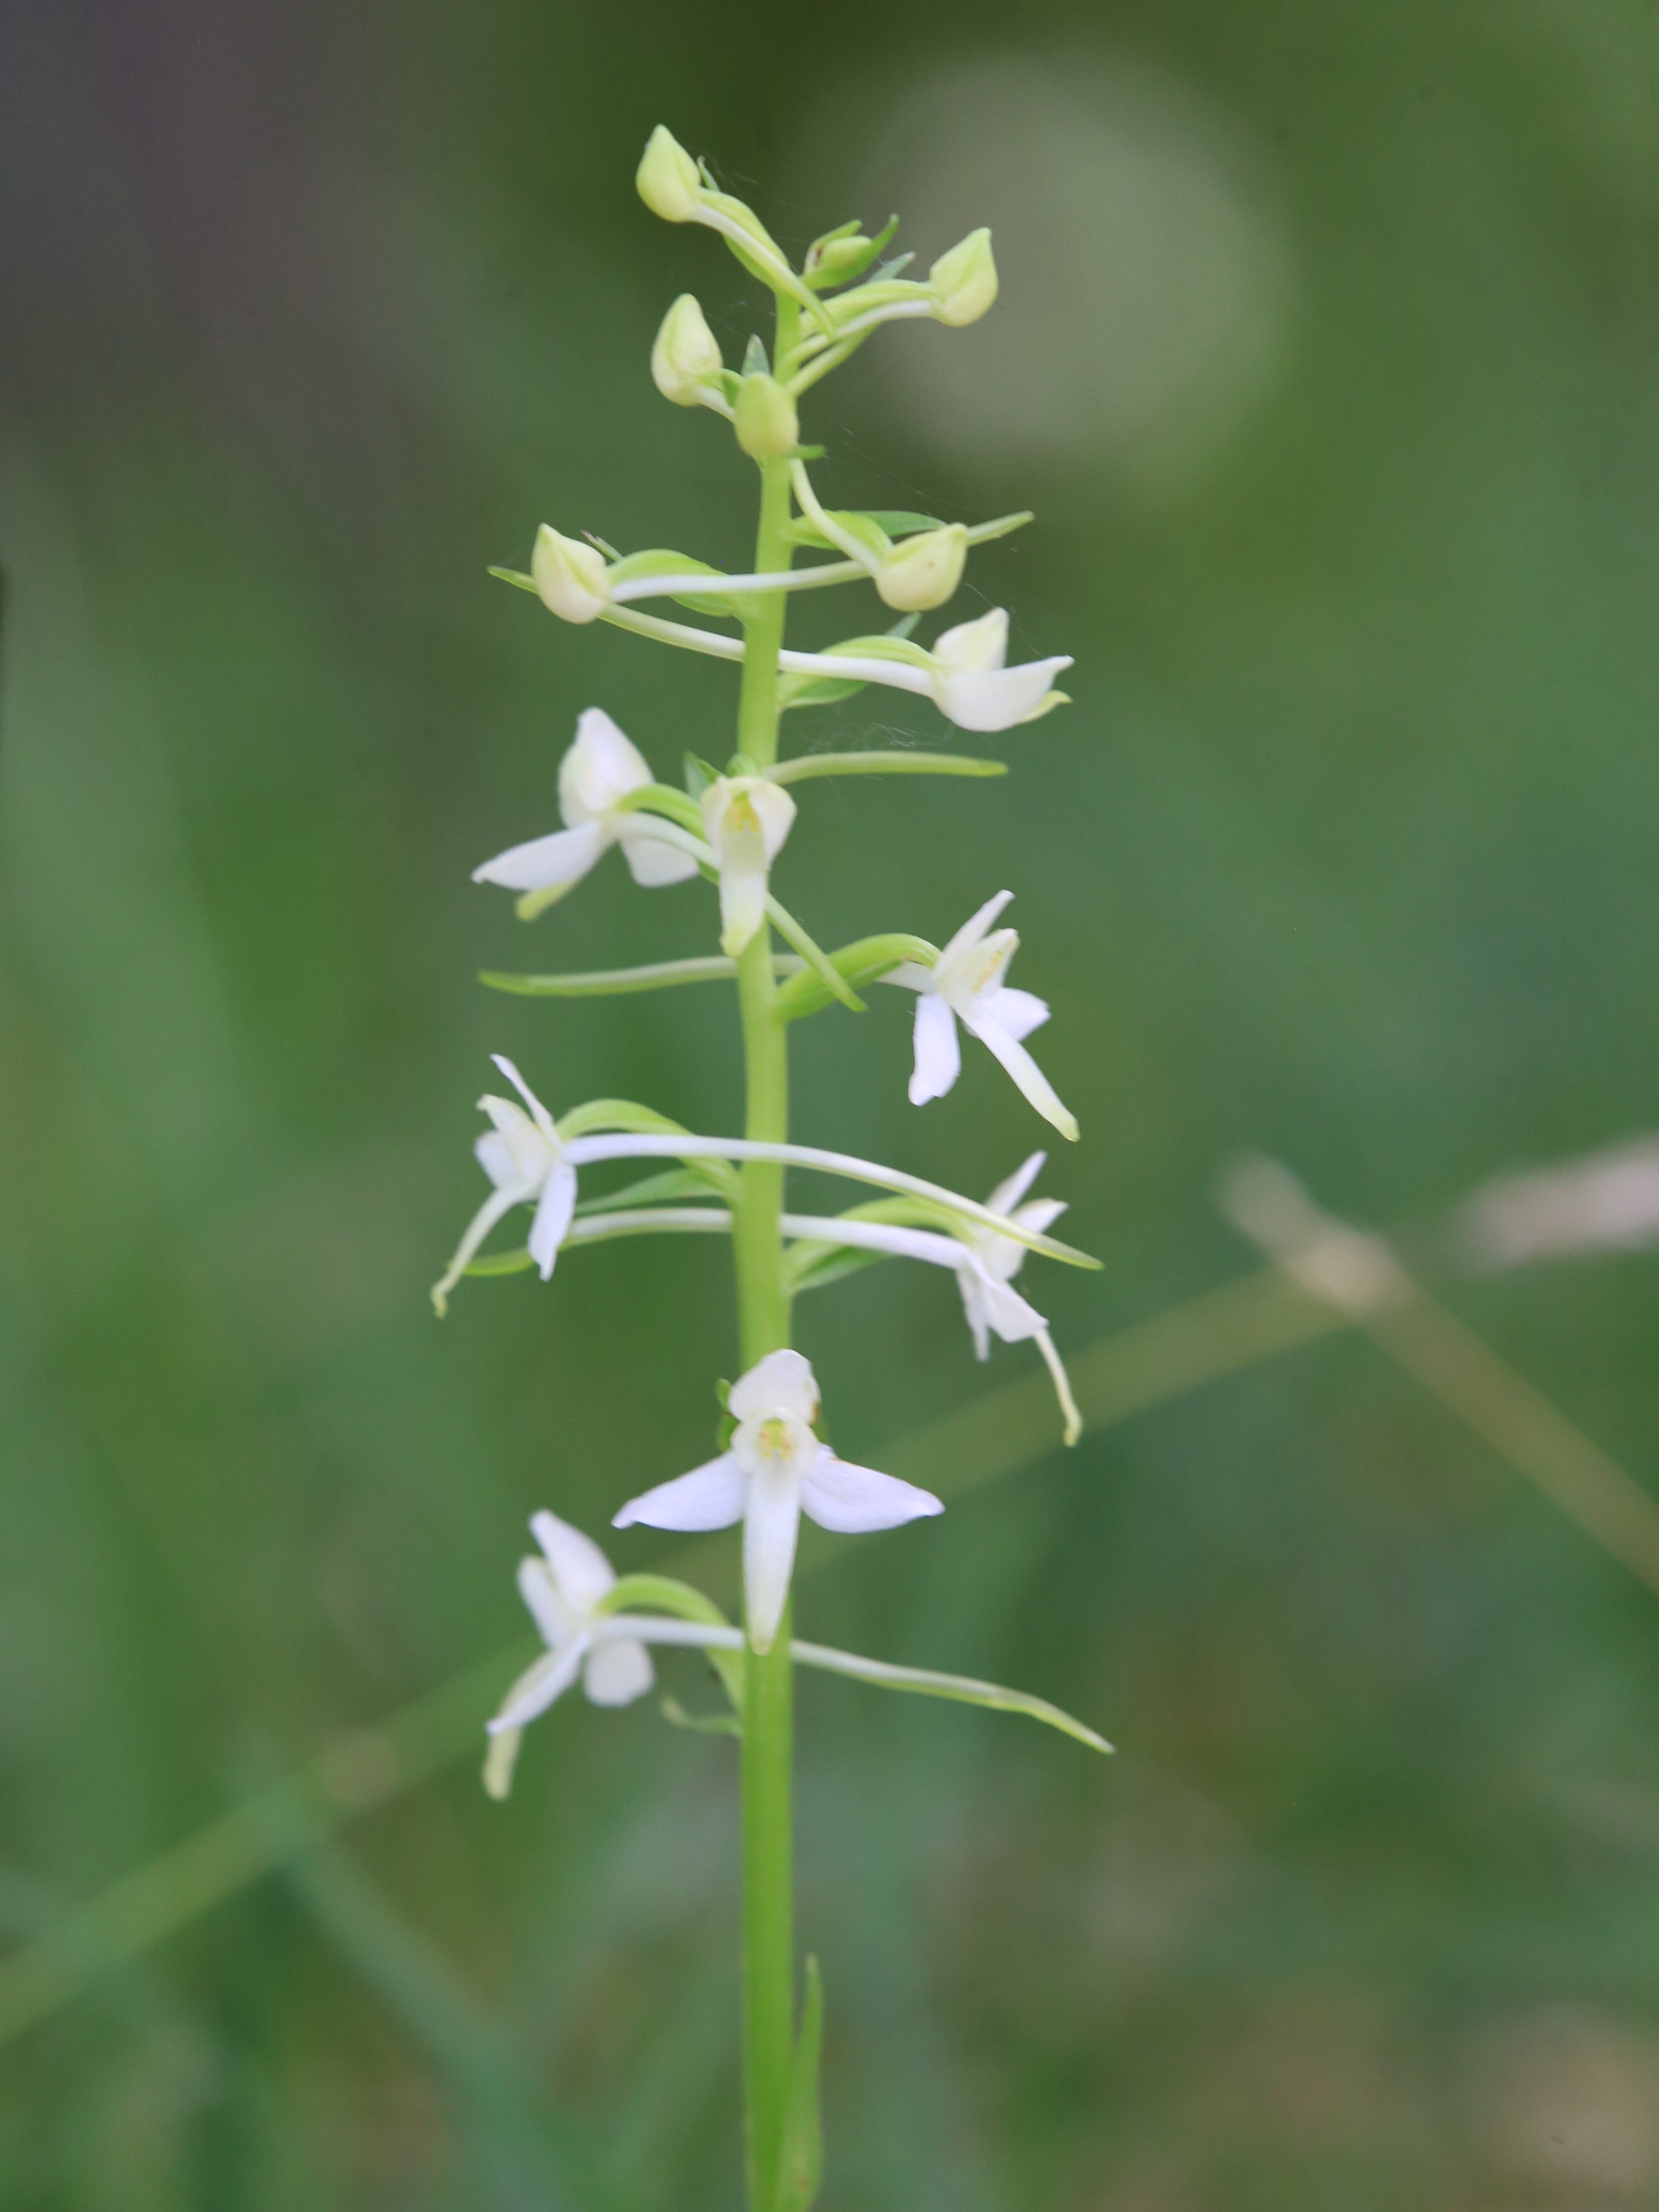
(991, 1305)
(973, 687)
(602, 769)
(562, 1588)
(525, 1159)
(567, 1590)
(965, 984)
(774, 1469)
(746, 818)
(964, 674)
(530, 1165)
(983, 1259)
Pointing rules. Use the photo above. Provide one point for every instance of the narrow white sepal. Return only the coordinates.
(857, 1500)
(937, 1052)
(710, 1497)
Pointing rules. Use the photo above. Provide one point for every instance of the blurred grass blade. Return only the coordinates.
(1520, 1423)
(527, 2156)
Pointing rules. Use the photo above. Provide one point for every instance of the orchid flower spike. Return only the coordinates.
(596, 776)
(524, 1159)
(746, 819)
(985, 1277)
(774, 1469)
(965, 985)
(562, 1589)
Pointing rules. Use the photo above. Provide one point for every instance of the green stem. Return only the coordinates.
(769, 2004)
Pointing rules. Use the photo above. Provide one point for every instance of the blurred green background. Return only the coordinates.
(1326, 355)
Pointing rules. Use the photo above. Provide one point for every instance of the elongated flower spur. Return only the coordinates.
(773, 1463)
(532, 1162)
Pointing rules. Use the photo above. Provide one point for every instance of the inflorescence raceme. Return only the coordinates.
(730, 826)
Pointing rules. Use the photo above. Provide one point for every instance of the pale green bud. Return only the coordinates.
(924, 571)
(686, 354)
(569, 576)
(839, 257)
(963, 281)
(768, 426)
(667, 177)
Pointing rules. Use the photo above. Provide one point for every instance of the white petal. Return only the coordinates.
(1006, 1195)
(939, 1055)
(559, 1622)
(968, 936)
(544, 1683)
(618, 1673)
(771, 1522)
(782, 1382)
(743, 895)
(1006, 1313)
(998, 698)
(558, 1203)
(522, 1147)
(854, 1500)
(776, 809)
(972, 646)
(971, 1282)
(538, 1113)
(651, 862)
(1019, 1012)
(495, 1155)
(1026, 1073)
(546, 863)
(579, 1568)
(710, 1497)
(602, 767)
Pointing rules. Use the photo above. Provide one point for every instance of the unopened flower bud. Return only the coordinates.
(963, 281)
(569, 576)
(667, 177)
(686, 354)
(837, 256)
(768, 426)
(923, 572)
